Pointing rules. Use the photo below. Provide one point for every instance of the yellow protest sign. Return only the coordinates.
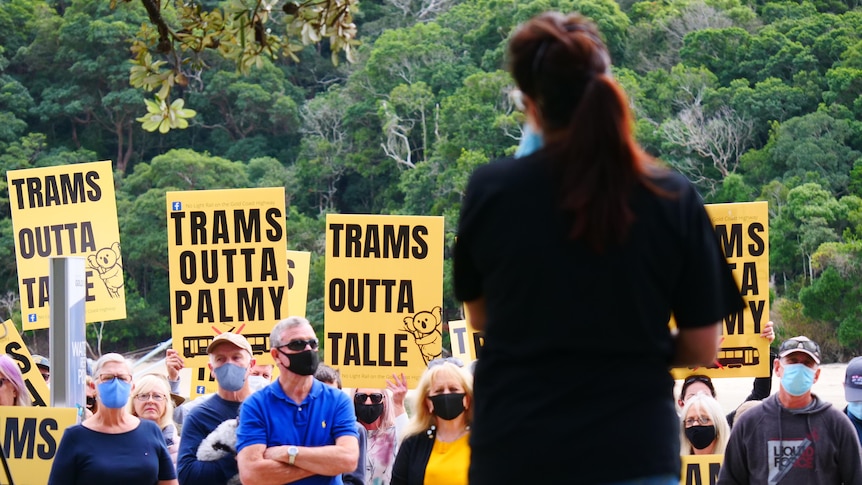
(68, 210)
(203, 382)
(227, 253)
(743, 233)
(383, 296)
(298, 267)
(12, 345)
(465, 340)
(700, 469)
(30, 438)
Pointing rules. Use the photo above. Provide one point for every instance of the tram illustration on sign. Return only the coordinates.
(194, 346)
(733, 357)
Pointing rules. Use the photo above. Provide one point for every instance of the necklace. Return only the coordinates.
(432, 433)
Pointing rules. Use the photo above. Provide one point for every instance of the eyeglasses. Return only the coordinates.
(440, 361)
(360, 397)
(700, 420)
(109, 377)
(154, 396)
(297, 345)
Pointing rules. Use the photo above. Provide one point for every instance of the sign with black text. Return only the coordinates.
(30, 437)
(67, 210)
(227, 253)
(743, 234)
(383, 296)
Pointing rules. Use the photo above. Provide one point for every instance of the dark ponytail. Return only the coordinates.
(561, 63)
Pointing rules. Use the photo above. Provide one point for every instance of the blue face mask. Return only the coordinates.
(855, 408)
(530, 142)
(114, 394)
(797, 379)
(230, 377)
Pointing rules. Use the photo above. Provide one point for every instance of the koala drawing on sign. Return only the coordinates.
(109, 264)
(425, 328)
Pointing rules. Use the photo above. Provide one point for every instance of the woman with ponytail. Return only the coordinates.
(572, 258)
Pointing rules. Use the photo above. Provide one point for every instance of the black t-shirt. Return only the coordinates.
(572, 382)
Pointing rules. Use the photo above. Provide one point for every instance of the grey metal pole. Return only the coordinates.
(67, 336)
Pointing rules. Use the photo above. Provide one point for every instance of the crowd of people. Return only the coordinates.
(305, 428)
(607, 224)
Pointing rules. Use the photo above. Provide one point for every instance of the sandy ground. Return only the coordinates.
(731, 392)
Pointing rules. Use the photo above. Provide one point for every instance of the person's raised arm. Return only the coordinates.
(398, 386)
(696, 346)
(174, 364)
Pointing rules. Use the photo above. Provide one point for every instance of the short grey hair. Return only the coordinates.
(111, 357)
(281, 326)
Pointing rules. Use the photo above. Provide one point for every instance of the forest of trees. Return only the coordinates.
(752, 101)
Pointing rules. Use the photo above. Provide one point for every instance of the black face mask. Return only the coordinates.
(448, 406)
(368, 413)
(700, 436)
(304, 363)
(91, 401)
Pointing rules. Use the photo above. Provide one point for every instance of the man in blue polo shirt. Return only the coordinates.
(298, 429)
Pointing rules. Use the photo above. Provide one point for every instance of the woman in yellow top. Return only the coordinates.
(435, 448)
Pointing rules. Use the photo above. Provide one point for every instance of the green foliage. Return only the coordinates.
(400, 129)
(174, 46)
(423, 52)
(734, 189)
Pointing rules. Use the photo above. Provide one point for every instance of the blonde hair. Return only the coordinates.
(148, 384)
(745, 407)
(422, 419)
(705, 403)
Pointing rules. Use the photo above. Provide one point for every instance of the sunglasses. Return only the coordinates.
(798, 344)
(360, 397)
(693, 379)
(298, 345)
(452, 360)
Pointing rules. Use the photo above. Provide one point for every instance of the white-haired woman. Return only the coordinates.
(435, 447)
(382, 413)
(152, 400)
(703, 428)
(112, 446)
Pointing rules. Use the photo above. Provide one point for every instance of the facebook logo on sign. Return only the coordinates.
(201, 390)
(31, 317)
(177, 206)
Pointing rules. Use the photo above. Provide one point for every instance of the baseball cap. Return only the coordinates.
(229, 337)
(853, 380)
(41, 361)
(800, 344)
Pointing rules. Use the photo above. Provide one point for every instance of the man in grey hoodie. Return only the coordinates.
(793, 437)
